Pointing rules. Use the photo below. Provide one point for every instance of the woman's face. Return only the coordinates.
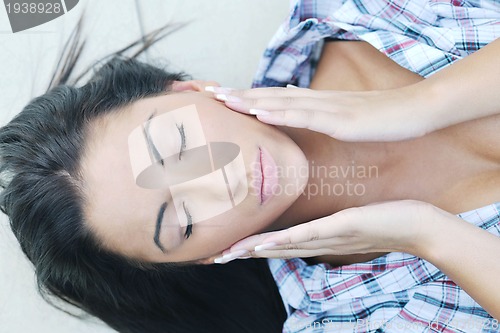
(146, 217)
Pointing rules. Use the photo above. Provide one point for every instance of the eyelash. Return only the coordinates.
(151, 145)
(180, 128)
(183, 139)
(189, 228)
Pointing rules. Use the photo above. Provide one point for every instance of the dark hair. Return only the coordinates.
(40, 151)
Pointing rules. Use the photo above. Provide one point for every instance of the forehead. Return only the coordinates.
(121, 213)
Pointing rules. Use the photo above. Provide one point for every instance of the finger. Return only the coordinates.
(281, 254)
(323, 122)
(250, 242)
(328, 227)
(275, 111)
(244, 105)
(289, 254)
(270, 92)
(333, 245)
(281, 92)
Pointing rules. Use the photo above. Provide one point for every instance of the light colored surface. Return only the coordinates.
(223, 42)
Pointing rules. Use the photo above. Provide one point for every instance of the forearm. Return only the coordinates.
(468, 255)
(466, 90)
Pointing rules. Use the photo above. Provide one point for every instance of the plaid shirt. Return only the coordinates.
(397, 292)
(423, 36)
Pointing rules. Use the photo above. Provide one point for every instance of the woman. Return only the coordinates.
(104, 247)
(421, 107)
(46, 215)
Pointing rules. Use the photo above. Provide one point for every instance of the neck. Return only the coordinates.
(341, 175)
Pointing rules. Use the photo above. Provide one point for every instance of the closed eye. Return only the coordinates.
(189, 228)
(151, 145)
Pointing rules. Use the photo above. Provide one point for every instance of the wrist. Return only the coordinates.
(431, 232)
(431, 99)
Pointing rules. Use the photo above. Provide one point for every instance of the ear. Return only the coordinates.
(193, 85)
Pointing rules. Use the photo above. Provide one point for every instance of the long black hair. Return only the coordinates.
(40, 152)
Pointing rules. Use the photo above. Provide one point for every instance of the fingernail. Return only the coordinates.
(218, 260)
(259, 112)
(219, 90)
(291, 86)
(244, 257)
(228, 98)
(230, 256)
(264, 246)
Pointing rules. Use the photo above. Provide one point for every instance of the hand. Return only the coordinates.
(394, 226)
(388, 115)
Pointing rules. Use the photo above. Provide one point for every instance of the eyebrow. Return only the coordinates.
(159, 220)
(163, 207)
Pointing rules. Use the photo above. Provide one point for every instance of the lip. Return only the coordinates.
(266, 176)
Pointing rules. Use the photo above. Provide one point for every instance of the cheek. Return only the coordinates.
(204, 198)
(208, 239)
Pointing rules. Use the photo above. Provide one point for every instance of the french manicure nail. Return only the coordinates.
(291, 86)
(218, 260)
(221, 97)
(264, 246)
(219, 90)
(228, 98)
(259, 112)
(230, 256)
(244, 257)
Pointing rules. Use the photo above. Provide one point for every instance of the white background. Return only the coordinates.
(223, 41)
